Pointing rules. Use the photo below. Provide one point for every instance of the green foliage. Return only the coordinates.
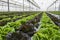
(11, 26)
(56, 12)
(48, 30)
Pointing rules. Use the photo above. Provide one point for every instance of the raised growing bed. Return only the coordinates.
(55, 12)
(26, 30)
(13, 19)
(6, 20)
(48, 30)
(10, 27)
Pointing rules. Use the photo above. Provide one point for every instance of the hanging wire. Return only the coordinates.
(8, 6)
(23, 5)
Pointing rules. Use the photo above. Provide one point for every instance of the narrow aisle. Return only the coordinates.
(48, 30)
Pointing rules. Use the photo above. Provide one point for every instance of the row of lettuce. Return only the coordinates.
(4, 21)
(16, 13)
(11, 26)
(6, 17)
(55, 12)
(47, 30)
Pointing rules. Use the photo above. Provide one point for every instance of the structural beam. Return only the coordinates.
(52, 3)
(34, 3)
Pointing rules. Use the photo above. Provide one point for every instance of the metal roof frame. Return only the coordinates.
(12, 4)
(33, 3)
(52, 3)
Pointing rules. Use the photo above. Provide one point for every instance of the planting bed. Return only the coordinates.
(13, 27)
(4, 19)
(35, 26)
(48, 30)
(55, 12)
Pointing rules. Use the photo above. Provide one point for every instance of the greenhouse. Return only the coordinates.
(29, 19)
